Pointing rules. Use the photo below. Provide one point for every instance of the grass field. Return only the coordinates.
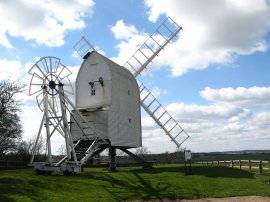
(162, 182)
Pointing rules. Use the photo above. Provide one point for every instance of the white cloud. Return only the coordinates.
(239, 96)
(235, 119)
(214, 31)
(130, 40)
(203, 112)
(122, 31)
(10, 69)
(44, 21)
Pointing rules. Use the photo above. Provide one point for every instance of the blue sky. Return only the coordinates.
(214, 79)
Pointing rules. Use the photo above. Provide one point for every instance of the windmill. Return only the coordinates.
(156, 42)
(107, 109)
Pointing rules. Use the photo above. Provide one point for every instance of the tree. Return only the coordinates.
(10, 126)
(142, 151)
(25, 147)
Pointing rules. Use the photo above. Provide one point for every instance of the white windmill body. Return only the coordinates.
(108, 97)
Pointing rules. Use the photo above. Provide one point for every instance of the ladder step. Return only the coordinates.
(162, 35)
(155, 41)
(151, 103)
(156, 109)
(161, 115)
(173, 127)
(143, 54)
(131, 66)
(146, 97)
(178, 134)
(149, 47)
(137, 59)
(167, 121)
(167, 28)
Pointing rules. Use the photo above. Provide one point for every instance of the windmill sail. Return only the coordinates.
(157, 41)
(162, 117)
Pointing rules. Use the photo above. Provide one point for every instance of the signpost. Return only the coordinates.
(188, 159)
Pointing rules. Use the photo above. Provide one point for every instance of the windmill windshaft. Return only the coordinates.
(162, 117)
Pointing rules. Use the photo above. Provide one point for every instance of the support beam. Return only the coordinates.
(112, 156)
(145, 164)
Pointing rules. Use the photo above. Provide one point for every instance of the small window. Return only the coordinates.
(93, 92)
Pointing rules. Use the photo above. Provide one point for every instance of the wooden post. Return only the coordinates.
(240, 166)
(249, 164)
(218, 163)
(225, 163)
(232, 163)
(260, 167)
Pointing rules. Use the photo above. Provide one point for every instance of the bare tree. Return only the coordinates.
(62, 150)
(27, 146)
(10, 126)
(142, 151)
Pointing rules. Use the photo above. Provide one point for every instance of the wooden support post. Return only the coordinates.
(240, 166)
(218, 163)
(249, 164)
(232, 163)
(112, 157)
(260, 167)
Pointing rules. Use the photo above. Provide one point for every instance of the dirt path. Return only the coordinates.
(229, 199)
(232, 199)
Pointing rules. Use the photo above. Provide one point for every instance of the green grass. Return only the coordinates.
(162, 182)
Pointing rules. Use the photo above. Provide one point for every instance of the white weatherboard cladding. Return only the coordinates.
(114, 110)
(124, 119)
(91, 70)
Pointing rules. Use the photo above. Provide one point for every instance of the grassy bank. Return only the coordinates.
(167, 181)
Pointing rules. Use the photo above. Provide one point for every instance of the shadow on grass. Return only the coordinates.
(23, 185)
(207, 171)
(12, 188)
(135, 187)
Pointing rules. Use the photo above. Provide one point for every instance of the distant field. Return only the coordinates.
(220, 157)
(162, 182)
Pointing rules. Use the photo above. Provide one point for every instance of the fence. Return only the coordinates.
(251, 165)
(5, 165)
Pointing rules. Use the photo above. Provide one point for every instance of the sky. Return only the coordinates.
(213, 78)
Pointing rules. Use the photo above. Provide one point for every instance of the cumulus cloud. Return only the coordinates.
(10, 69)
(122, 31)
(231, 116)
(239, 96)
(44, 21)
(214, 32)
(130, 39)
(203, 112)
